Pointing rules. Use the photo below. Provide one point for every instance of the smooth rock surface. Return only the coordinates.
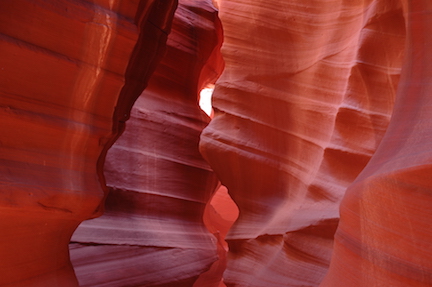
(384, 237)
(152, 232)
(303, 116)
(300, 108)
(67, 80)
(219, 216)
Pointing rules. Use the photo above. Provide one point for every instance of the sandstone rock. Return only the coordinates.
(384, 234)
(68, 73)
(219, 216)
(300, 108)
(152, 232)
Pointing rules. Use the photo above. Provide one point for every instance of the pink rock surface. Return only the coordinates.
(67, 80)
(152, 232)
(384, 237)
(300, 116)
(300, 108)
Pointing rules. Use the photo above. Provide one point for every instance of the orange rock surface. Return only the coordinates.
(384, 237)
(152, 232)
(300, 108)
(320, 134)
(69, 72)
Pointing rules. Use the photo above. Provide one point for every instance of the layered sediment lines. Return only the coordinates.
(65, 85)
(300, 108)
(385, 230)
(309, 123)
(152, 232)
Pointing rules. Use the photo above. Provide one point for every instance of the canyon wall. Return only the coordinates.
(69, 73)
(322, 111)
(300, 108)
(152, 232)
(385, 230)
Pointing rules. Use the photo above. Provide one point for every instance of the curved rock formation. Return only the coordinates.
(152, 232)
(385, 231)
(300, 108)
(69, 72)
(219, 216)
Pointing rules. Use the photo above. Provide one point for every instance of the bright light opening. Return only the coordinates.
(205, 101)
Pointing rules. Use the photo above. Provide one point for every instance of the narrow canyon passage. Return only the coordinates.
(312, 169)
(159, 184)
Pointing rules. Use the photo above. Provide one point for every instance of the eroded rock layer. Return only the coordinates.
(384, 237)
(300, 108)
(152, 232)
(67, 78)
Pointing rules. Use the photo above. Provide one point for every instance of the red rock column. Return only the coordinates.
(65, 84)
(152, 233)
(303, 103)
(385, 233)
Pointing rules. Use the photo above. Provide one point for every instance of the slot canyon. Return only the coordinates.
(311, 169)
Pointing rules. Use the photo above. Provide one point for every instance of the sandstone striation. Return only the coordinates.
(322, 112)
(69, 72)
(152, 232)
(300, 108)
(385, 230)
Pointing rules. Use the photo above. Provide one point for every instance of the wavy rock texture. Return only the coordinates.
(300, 108)
(384, 234)
(68, 76)
(152, 232)
(303, 104)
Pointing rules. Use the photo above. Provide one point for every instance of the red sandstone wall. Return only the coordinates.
(303, 104)
(384, 236)
(152, 232)
(67, 78)
(300, 108)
